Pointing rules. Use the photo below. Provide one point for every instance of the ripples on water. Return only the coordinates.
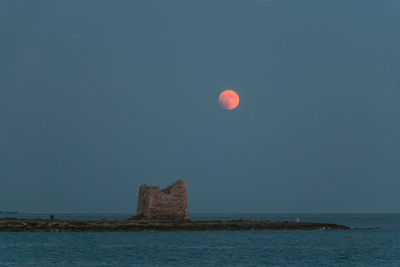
(374, 240)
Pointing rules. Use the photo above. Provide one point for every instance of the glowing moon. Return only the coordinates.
(228, 99)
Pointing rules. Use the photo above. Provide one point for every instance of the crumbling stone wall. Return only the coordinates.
(168, 203)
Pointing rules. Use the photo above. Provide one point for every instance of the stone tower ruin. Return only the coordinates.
(165, 204)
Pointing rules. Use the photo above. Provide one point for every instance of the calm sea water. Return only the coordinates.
(373, 241)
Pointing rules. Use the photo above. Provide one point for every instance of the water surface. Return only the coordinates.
(374, 240)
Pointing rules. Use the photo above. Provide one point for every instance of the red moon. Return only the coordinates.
(228, 99)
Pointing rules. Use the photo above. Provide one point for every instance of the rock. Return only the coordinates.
(38, 225)
(157, 210)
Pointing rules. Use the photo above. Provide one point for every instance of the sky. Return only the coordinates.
(99, 97)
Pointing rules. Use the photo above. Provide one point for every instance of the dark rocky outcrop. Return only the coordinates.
(39, 225)
(157, 210)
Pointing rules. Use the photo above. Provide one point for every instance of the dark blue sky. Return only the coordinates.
(99, 97)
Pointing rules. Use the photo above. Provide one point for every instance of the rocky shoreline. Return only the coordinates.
(41, 225)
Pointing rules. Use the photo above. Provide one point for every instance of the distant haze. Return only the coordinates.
(99, 97)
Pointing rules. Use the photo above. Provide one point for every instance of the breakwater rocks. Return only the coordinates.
(40, 225)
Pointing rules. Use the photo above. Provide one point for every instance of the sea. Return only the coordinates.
(374, 240)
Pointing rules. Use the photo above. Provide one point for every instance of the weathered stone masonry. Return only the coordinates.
(169, 203)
